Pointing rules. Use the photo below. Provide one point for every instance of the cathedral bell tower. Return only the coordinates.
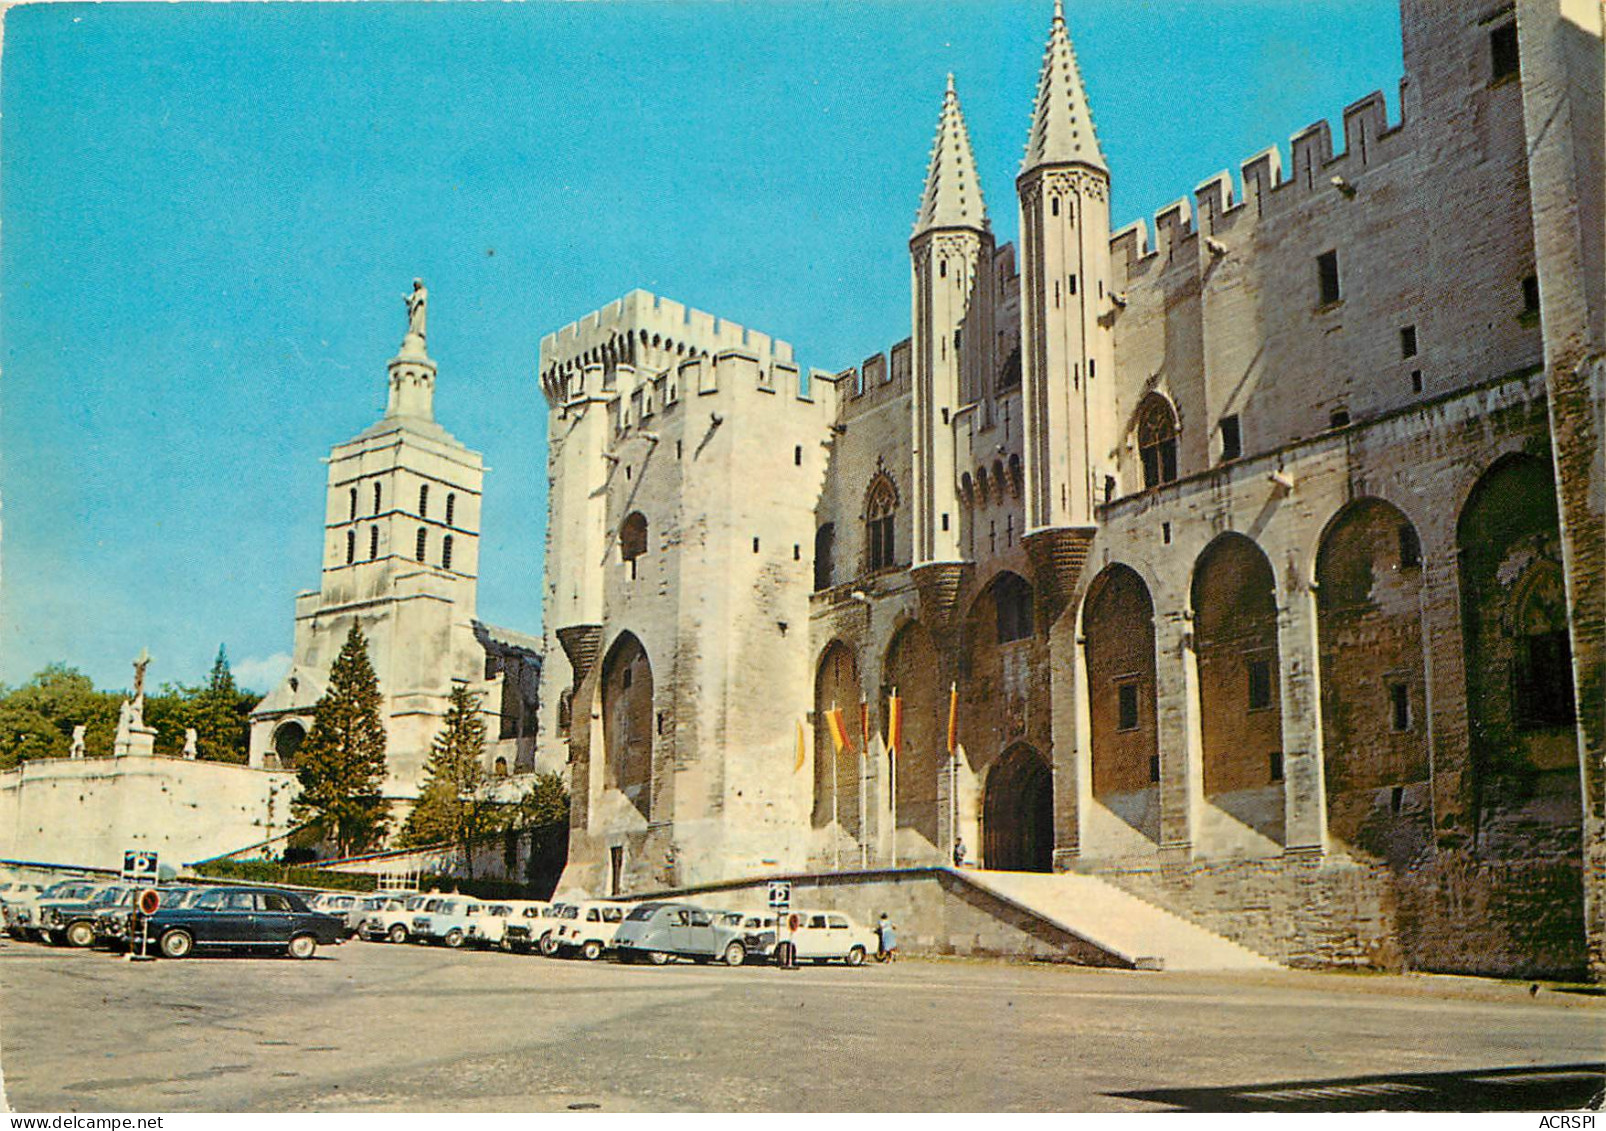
(1066, 355)
(950, 254)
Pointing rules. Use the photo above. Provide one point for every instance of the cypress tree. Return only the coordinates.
(341, 765)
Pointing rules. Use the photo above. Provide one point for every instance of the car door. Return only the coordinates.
(812, 937)
(275, 918)
(840, 935)
(699, 933)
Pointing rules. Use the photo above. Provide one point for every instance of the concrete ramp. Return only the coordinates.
(1116, 921)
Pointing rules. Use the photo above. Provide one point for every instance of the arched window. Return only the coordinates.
(353, 503)
(566, 704)
(1012, 599)
(881, 508)
(451, 507)
(373, 542)
(1157, 441)
(446, 552)
(824, 550)
(632, 541)
(423, 543)
(423, 500)
(351, 546)
(376, 498)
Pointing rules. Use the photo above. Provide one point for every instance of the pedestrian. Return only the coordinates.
(886, 940)
(959, 852)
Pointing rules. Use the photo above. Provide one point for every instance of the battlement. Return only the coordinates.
(1369, 140)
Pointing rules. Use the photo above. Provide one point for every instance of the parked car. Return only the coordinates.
(757, 930)
(72, 922)
(12, 899)
(370, 907)
(656, 932)
(56, 904)
(491, 927)
(588, 928)
(114, 926)
(246, 919)
(392, 922)
(828, 936)
(448, 922)
(525, 927)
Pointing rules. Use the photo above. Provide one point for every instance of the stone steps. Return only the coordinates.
(1117, 921)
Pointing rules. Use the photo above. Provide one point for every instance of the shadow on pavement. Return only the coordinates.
(1557, 1087)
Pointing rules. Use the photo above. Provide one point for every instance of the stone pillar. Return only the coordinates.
(1069, 754)
(1444, 679)
(1304, 792)
(1181, 741)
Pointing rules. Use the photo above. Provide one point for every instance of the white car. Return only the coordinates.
(371, 907)
(827, 936)
(449, 921)
(395, 920)
(14, 897)
(587, 928)
(524, 929)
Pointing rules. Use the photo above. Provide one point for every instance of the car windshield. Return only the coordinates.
(107, 895)
(568, 912)
(645, 911)
(176, 897)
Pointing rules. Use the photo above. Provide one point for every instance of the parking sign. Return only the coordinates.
(139, 865)
(781, 894)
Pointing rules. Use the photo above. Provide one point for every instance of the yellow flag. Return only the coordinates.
(894, 723)
(798, 765)
(839, 730)
(953, 718)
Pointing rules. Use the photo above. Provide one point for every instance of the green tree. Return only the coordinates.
(221, 714)
(342, 762)
(37, 719)
(455, 804)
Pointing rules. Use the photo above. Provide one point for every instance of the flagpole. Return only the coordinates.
(836, 772)
(864, 752)
(953, 768)
(892, 781)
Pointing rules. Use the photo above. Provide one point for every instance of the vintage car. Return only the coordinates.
(229, 918)
(13, 898)
(114, 925)
(757, 930)
(372, 906)
(24, 912)
(394, 922)
(67, 917)
(447, 923)
(656, 932)
(587, 928)
(490, 928)
(827, 936)
(527, 925)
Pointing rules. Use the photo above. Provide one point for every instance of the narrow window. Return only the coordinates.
(1012, 596)
(755, 545)
(446, 552)
(353, 503)
(942, 269)
(1416, 380)
(422, 544)
(1276, 765)
(1397, 799)
(1338, 418)
(376, 498)
(1400, 706)
(1126, 706)
(879, 513)
(1504, 59)
(1054, 205)
(1259, 685)
(1071, 282)
(1530, 295)
(1327, 277)
(451, 506)
(679, 452)
(797, 456)
(1154, 767)
(632, 541)
(797, 552)
(1165, 533)
(945, 520)
(423, 500)
(373, 542)
(1408, 341)
(824, 547)
(1231, 438)
(351, 546)
(1157, 442)
(1410, 547)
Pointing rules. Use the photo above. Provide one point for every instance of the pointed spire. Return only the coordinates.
(1062, 126)
(953, 194)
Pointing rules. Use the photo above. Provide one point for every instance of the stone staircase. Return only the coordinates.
(1113, 920)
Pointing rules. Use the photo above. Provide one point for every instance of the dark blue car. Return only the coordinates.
(234, 918)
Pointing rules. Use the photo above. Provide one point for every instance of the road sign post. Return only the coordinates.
(781, 904)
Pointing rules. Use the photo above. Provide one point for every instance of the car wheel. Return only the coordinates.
(80, 934)
(549, 945)
(591, 951)
(177, 944)
(856, 956)
(505, 946)
(657, 957)
(454, 938)
(397, 933)
(735, 953)
(302, 946)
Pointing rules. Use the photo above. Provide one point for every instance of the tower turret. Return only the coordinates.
(949, 252)
(1066, 352)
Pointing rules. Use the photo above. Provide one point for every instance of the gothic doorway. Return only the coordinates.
(1018, 813)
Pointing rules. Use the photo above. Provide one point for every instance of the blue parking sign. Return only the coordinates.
(139, 865)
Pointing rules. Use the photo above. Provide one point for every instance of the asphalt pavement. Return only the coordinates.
(378, 1027)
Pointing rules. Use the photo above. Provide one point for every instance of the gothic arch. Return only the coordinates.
(1118, 628)
(836, 776)
(1018, 813)
(912, 669)
(880, 523)
(1156, 432)
(627, 730)
(1235, 641)
(1373, 693)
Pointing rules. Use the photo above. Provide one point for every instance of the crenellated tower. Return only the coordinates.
(952, 310)
(1067, 349)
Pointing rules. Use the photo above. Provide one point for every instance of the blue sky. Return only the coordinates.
(210, 213)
